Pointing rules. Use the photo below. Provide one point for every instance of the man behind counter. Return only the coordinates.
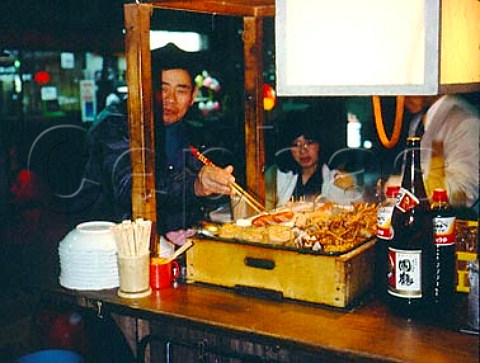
(181, 181)
(449, 127)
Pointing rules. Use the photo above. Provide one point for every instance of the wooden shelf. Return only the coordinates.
(255, 8)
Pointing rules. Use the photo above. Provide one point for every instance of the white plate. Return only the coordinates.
(97, 260)
(65, 248)
(86, 278)
(85, 253)
(87, 285)
(88, 268)
(91, 272)
(90, 236)
(90, 260)
(93, 279)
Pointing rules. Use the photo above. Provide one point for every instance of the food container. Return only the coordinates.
(330, 279)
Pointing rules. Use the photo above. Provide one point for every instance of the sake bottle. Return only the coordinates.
(411, 248)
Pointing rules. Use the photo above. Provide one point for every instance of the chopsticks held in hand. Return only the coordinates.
(249, 199)
(133, 238)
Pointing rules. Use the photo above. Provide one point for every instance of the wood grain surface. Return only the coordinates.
(367, 332)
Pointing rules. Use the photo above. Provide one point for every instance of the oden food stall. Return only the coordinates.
(211, 323)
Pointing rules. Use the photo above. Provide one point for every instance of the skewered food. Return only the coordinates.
(330, 228)
(273, 218)
(341, 231)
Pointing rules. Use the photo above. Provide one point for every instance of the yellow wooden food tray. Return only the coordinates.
(335, 280)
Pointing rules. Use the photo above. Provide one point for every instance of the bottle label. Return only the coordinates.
(404, 273)
(444, 231)
(406, 200)
(384, 225)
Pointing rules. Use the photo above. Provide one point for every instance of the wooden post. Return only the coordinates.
(254, 137)
(141, 134)
(140, 111)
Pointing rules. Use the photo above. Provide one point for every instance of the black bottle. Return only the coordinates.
(410, 251)
(444, 222)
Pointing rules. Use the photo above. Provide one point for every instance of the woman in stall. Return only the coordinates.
(300, 172)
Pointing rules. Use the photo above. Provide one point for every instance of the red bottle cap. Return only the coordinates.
(440, 195)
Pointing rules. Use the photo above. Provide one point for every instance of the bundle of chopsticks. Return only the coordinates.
(242, 193)
(133, 238)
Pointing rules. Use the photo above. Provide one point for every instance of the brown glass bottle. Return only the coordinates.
(444, 240)
(410, 251)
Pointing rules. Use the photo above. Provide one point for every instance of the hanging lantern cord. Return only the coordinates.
(380, 126)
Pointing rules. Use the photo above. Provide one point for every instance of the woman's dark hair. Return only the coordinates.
(295, 124)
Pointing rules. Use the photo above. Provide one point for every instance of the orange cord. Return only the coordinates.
(397, 126)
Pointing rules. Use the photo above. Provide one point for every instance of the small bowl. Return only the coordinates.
(90, 236)
(51, 356)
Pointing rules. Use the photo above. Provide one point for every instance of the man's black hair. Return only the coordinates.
(172, 57)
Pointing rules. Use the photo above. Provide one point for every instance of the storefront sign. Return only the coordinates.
(67, 60)
(88, 99)
(48, 93)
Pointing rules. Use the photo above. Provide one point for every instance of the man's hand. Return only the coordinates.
(214, 180)
(344, 180)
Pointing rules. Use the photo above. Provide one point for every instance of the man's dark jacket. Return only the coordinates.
(106, 193)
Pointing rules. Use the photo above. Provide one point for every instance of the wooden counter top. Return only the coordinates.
(366, 332)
